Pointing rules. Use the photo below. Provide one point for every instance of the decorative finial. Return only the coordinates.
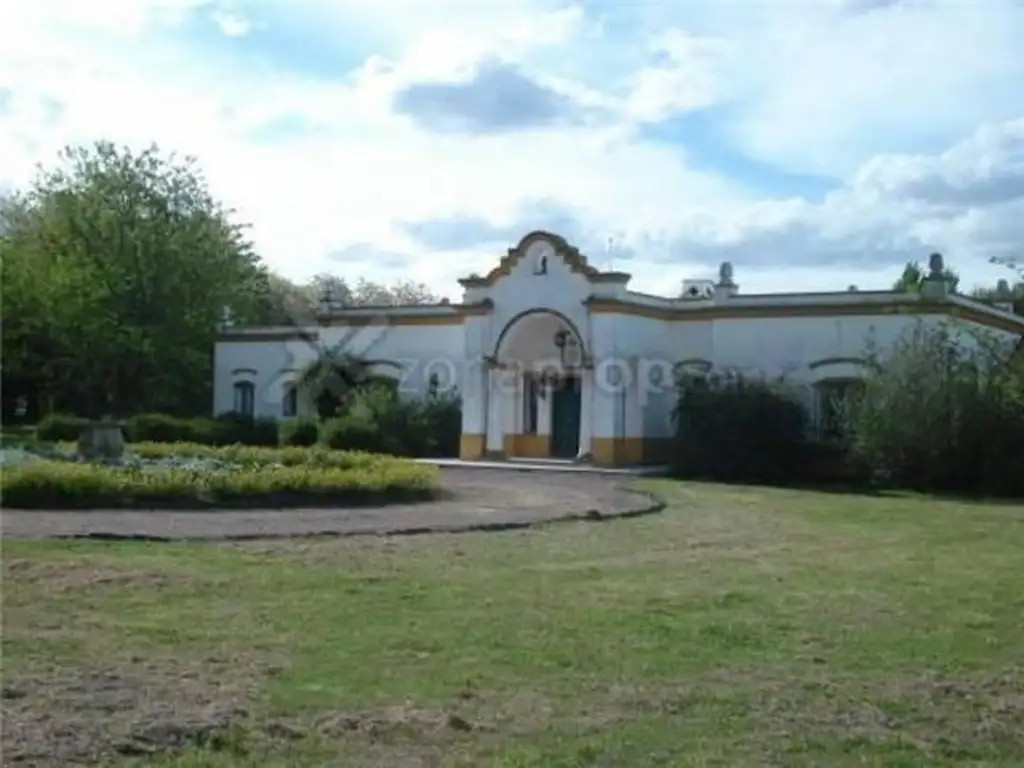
(725, 273)
(936, 264)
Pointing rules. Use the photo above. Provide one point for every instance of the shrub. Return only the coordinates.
(60, 426)
(351, 432)
(732, 429)
(944, 411)
(300, 431)
(225, 429)
(53, 485)
(161, 428)
(261, 456)
(378, 418)
(229, 428)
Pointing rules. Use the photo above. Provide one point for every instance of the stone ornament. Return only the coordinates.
(725, 274)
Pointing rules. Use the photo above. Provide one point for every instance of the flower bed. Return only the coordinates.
(167, 475)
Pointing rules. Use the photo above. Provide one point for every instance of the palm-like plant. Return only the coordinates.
(335, 375)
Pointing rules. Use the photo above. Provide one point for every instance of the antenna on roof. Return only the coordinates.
(609, 253)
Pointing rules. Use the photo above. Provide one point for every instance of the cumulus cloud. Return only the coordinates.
(496, 97)
(454, 129)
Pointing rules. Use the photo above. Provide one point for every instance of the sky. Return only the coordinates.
(814, 144)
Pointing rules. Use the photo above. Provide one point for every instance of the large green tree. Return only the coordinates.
(116, 268)
(295, 304)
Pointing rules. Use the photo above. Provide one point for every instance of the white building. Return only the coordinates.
(554, 358)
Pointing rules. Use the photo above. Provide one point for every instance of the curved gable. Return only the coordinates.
(570, 256)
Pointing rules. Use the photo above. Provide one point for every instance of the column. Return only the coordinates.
(633, 417)
(586, 413)
(495, 443)
(472, 443)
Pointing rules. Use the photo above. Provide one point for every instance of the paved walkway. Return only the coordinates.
(481, 499)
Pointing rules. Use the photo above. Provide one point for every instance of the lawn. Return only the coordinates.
(742, 626)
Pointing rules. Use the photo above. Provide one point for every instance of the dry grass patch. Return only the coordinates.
(743, 626)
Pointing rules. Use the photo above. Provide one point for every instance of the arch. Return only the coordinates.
(694, 365)
(839, 369)
(514, 321)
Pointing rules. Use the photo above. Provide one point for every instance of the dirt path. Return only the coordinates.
(483, 499)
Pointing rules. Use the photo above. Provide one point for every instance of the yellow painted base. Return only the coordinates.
(608, 451)
(528, 446)
(472, 446)
(627, 451)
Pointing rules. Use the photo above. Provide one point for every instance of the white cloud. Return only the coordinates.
(885, 96)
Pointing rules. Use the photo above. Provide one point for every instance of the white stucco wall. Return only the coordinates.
(269, 365)
(272, 366)
(799, 351)
(756, 335)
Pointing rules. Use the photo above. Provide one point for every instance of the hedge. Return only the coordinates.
(731, 429)
(259, 456)
(70, 485)
(377, 419)
(226, 429)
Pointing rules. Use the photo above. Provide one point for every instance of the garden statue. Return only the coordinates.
(101, 440)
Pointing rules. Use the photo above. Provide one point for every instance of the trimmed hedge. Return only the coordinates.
(300, 431)
(376, 419)
(267, 478)
(60, 426)
(226, 429)
(731, 429)
(261, 456)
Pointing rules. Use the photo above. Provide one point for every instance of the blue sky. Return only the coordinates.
(815, 145)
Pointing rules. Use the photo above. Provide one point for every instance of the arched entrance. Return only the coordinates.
(542, 359)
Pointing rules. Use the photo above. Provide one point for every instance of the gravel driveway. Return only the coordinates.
(483, 499)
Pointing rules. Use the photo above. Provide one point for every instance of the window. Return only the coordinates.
(833, 394)
(245, 398)
(290, 401)
(530, 394)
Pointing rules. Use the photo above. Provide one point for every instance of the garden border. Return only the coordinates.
(617, 499)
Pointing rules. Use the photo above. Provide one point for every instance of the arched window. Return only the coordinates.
(245, 398)
(290, 401)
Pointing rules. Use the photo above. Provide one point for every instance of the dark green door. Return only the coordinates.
(565, 419)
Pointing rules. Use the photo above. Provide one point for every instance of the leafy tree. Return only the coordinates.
(1015, 295)
(1014, 263)
(335, 375)
(117, 266)
(294, 304)
(943, 410)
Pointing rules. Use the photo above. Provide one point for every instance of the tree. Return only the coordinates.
(1014, 295)
(914, 275)
(295, 304)
(335, 375)
(942, 410)
(117, 267)
(1014, 263)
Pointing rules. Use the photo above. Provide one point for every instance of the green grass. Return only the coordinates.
(742, 626)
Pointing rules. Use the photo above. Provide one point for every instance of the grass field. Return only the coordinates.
(742, 626)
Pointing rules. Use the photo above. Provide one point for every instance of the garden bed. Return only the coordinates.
(191, 476)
